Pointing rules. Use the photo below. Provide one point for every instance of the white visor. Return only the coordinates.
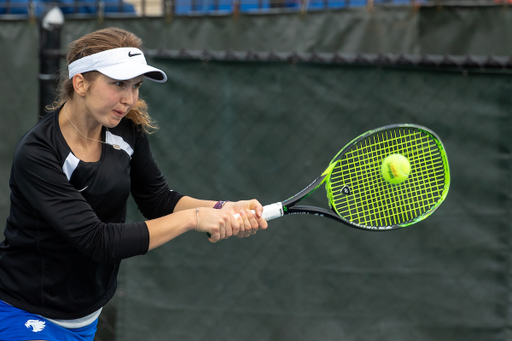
(122, 63)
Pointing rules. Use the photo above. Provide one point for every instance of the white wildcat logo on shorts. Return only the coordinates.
(35, 325)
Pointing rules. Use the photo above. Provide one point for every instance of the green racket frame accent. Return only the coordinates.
(360, 195)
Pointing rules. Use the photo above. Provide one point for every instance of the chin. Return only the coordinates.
(111, 124)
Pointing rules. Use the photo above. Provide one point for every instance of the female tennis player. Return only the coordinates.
(71, 177)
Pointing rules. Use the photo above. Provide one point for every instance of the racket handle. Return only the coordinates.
(270, 212)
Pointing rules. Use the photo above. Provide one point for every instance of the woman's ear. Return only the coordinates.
(80, 84)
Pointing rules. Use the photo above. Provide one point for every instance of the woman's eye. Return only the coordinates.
(123, 84)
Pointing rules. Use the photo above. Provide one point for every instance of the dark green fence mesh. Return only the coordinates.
(265, 130)
(232, 130)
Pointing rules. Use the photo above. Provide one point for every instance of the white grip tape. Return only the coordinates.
(270, 212)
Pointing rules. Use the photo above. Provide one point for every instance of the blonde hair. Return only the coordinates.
(98, 41)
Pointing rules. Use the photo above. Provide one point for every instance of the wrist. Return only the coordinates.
(220, 204)
(197, 228)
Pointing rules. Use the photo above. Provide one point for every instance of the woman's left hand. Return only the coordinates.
(247, 221)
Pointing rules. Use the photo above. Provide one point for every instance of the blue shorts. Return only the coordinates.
(19, 325)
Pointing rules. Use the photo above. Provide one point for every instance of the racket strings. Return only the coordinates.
(372, 202)
(392, 211)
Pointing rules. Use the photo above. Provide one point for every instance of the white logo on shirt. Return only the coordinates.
(35, 325)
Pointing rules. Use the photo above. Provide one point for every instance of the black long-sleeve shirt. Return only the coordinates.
(66, 232)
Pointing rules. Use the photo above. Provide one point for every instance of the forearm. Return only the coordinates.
(187, 203)
(184, 219)
(164, 229)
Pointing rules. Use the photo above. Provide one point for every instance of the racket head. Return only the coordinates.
(361, 197)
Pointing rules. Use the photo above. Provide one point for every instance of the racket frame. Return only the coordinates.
(289, 206)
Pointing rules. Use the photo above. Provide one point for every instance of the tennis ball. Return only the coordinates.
(395, 169)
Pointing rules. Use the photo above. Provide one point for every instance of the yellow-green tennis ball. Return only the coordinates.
(395, 168)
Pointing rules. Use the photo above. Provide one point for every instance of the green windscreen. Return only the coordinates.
(359, 193)
(254, 129)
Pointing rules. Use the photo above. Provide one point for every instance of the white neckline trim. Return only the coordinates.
(118, 140)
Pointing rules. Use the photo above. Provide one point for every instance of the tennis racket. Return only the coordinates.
(359, 195)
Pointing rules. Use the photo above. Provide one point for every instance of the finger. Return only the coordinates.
(247, 223)
(228, 228)
(235, 225)
(213, 235)
(256, 207)
(241, 232)
(253, 221)
(262, 223)
(258, 210)
(241, 218)
(222, 231)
